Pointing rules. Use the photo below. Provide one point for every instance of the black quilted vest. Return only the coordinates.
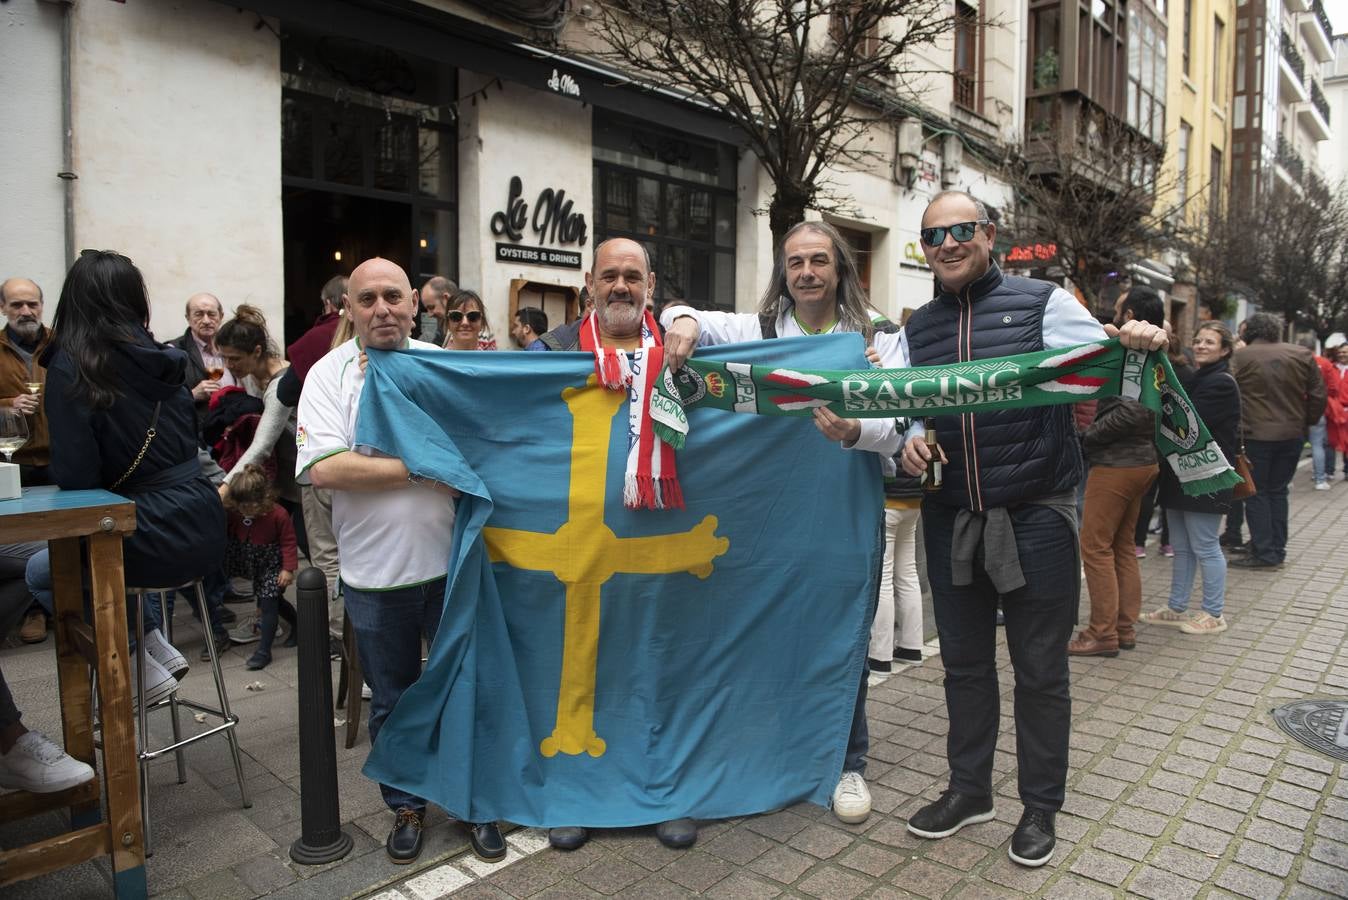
(996, 458)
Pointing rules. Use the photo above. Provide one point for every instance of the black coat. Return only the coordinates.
(1217, 399)
(180, 525)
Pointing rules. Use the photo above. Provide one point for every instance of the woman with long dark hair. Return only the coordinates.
(121, 419)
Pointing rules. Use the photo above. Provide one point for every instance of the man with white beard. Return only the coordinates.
(21, 375)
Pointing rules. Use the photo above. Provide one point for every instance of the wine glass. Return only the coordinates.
(13, 432)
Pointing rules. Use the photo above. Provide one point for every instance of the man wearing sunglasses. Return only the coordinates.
(1003, 526)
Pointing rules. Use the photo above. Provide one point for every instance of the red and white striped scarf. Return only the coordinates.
(650, 481)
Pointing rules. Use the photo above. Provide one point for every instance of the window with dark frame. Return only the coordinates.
(675, 195)
(1218, 57)
(968, 58)
(1188, 33)
(1146, 73)
(839, 24)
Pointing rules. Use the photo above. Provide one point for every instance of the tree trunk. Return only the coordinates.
(786, 210)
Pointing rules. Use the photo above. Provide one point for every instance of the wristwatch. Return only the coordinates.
(418, 480)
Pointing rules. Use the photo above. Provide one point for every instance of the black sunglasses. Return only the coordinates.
(457, 315)
(962, 232)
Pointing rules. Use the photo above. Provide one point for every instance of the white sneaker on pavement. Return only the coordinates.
(159, 684)
(164, 653)
(1322, 486)
(365, 692)
(35, 764)
(851, 799)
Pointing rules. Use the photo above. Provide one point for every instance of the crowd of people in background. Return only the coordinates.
(230, 483)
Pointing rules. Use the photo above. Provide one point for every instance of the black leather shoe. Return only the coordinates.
(1033, 841)
(949, 814)
(486, 840)
(1253, 562)
(404, 841)
(677, 834)
(568, 837)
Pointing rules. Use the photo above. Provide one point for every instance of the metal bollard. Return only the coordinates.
(322, 839)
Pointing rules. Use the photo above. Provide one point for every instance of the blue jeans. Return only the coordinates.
(1040, 617)
(1317, 436)
(1197, 546)
(38, 575)
(390, 626)
(1272, 463)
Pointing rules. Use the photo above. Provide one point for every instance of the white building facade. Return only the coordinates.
(255, 148)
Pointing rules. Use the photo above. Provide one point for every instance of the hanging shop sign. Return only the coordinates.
(553, 221)
(1032, 253)
(913, 256)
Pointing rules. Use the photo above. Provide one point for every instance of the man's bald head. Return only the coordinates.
(27, 285)
(379, 300)
(21, 303)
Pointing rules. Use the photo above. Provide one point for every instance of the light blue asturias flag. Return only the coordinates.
(609, 667)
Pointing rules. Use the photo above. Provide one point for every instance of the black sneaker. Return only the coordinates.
(949, 814)
(404, 841)
(903, 654)
(882, 666)
(1033, 841)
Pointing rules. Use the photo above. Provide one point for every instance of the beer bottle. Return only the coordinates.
(932, 480)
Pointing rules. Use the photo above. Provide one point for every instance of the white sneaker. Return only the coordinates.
(851, 799)
(159, 684)
(248, 631)
(36, 764)
(164, 653)
(365, 692)
(1322, 485)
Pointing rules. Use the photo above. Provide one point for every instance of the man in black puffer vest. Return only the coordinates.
(1003, 526)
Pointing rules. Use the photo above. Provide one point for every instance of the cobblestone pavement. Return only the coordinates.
(1180, 785)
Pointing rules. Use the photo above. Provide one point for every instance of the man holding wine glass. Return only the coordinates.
(22, 376)
(206, 372)
(23, 421)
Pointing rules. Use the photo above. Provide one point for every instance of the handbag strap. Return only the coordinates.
(149, 436)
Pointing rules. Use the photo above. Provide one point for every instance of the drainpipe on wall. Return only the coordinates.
(67, 173)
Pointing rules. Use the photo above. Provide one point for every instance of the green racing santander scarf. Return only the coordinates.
(1065, 375)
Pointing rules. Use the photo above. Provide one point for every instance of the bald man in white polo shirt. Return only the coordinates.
(393, 527)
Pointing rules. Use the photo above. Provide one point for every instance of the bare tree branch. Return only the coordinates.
(790, 74)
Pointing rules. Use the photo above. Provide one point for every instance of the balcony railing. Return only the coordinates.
(1318, 9)
(1289, 159)
(1318, 100)
(1289, 53)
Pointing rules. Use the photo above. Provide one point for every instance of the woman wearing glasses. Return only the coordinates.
(466, 321)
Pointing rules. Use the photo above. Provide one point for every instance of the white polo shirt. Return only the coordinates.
(385, 539)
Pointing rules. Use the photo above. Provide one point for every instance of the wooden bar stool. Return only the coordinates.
(350, 680)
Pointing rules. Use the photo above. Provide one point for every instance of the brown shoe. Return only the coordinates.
(34, 628)
(1084, 645)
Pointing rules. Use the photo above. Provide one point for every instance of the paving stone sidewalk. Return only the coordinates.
(1180, 785)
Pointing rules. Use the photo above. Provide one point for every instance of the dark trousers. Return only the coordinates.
(1144, 517)
(859, 738)
(1235, 523)
(1039, 621)
(1272, 463)
(9, 713)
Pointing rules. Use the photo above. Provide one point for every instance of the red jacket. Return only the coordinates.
(1336, 418)
(313, 345)
(273, 528)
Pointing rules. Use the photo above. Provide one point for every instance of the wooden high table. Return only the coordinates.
(103, 519)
